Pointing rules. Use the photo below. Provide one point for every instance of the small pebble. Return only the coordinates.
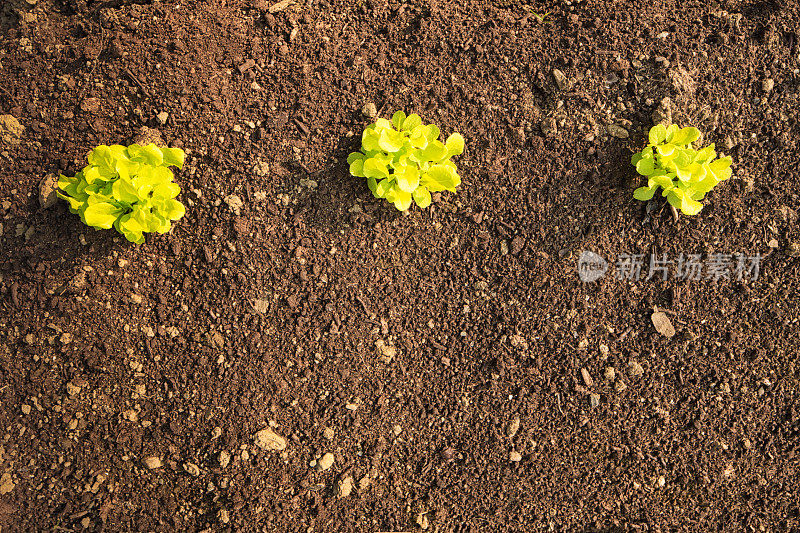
(344, 487)
(369, 110)
(662, 324)
(634, 368)
(191, 469)
(587, 378)
(224, 459)
(325, 462)
(617, 131)
(561, 80)
(266, 439)
(152, 462)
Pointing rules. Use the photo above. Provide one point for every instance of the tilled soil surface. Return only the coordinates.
(450, 361)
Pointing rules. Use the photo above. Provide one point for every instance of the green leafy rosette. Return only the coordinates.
(684, 174)
(404, 160)
(130, 189)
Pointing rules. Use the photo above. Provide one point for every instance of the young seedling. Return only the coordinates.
(127, 188)
(684, 174)
(539, 18)
(404, 160)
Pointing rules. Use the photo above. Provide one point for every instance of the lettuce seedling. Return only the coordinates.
(127, 188)
(684, 174)
(404, 160)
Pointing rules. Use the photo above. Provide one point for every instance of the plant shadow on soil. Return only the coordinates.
(328, 206)
(54, 244)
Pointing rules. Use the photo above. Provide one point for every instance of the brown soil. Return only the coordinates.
(185, 347)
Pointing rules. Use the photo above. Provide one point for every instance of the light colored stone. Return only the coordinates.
(561, 80)
(147, 136)
(191, 469)
(515, 456)
(617, 131)
(224, 459)
(345, 487)
(234, 203)
(662, 324)
(261, 168)
(10, 130)
(163, 117)
(6, 483)
(594, 400)
(152, 462)
(728, 142)
(325, 462)
(261, 305)
(385, 352)
(48, 188)
(279, 6)
(767, 85)
(610, 373)
(268, 440)
(328, 433)
(587, 378)
(634, 368)
(369, 110)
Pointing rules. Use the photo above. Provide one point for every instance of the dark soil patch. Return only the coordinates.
(112, 353)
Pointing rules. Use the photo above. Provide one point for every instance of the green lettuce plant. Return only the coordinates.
(127, 188)
(684, 174)
(404, 160)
